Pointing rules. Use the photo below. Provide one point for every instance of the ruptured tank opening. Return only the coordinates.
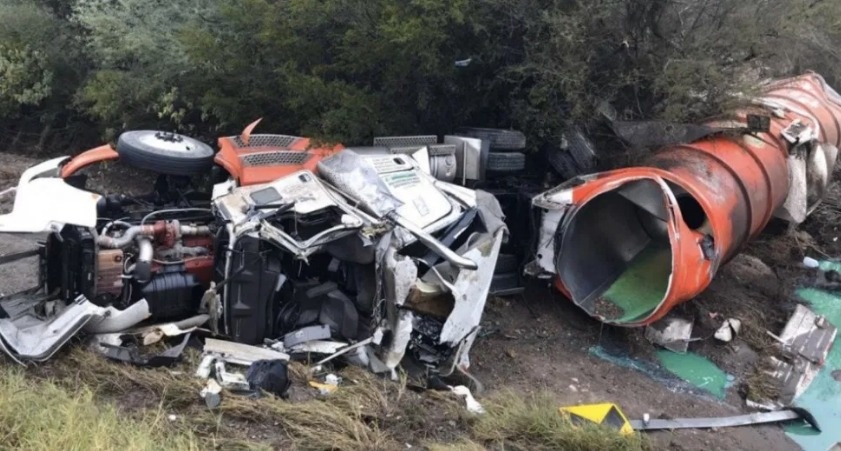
(615, 257)
(691, 210)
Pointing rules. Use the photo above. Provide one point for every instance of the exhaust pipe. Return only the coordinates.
(629, 245)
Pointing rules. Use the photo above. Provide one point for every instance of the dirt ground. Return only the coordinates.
(540, 342)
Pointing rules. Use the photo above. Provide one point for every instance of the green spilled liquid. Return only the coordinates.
(643, 284)
(696, 370)
(829, 266)
(823, 397)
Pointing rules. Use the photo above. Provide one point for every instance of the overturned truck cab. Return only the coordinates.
(358, 253)
(373, 244)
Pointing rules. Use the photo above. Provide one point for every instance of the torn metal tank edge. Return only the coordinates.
(630, 244)
(655, 202)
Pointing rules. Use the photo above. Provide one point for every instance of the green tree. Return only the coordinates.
(347, 70)
(337, 69)
(139, 61)
(40, 68)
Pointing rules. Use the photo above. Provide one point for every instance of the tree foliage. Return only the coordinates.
(348, 69)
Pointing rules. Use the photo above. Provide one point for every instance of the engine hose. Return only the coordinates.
(143, 267)
(128, 236)
(146, 230)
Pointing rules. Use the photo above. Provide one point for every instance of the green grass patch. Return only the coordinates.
(40, 415)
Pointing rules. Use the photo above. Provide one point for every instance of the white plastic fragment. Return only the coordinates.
(810, 262)
(473, 406)
(672, 332)
(724, 333)
(212, 394)
(331, 379)
(729, 329)
(736, 325)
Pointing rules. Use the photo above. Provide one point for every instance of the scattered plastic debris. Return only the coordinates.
(212, 394)
(238, 353)
(473, 406)
(132, 354)
(728, 330)
(606, 414)
(673, 333)
(328, 384)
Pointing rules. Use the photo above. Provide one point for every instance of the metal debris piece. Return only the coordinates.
(306, 334)
(230, 380)
(219, 352)
(793, 378)
(673, 333)
(808, 335)
(131, 354)
(155, 333)
(318, 347)
(806, 340)
(205, 366)
(26, 336)
(241, 354)
(375, 338)
(737, 420)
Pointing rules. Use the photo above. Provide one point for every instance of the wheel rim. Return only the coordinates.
(167, 142)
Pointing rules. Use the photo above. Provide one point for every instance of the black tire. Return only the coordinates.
(506, 263)
(497, 138)
(165, 153)
(506, 162)
(582, 150)
(562, 162)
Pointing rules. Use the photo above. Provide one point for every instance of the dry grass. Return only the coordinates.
(461, 445)
(760, 385)
(366, 412)
(533, 423)
(754, 332)
(344, 421)
(40, 415)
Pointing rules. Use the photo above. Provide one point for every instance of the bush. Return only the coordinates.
(346, 70)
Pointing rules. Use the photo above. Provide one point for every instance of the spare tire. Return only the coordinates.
(564, 163)
(497, 138)
(506, 162)
(165, 153)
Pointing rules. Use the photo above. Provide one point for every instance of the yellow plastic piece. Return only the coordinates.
(606, 414)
